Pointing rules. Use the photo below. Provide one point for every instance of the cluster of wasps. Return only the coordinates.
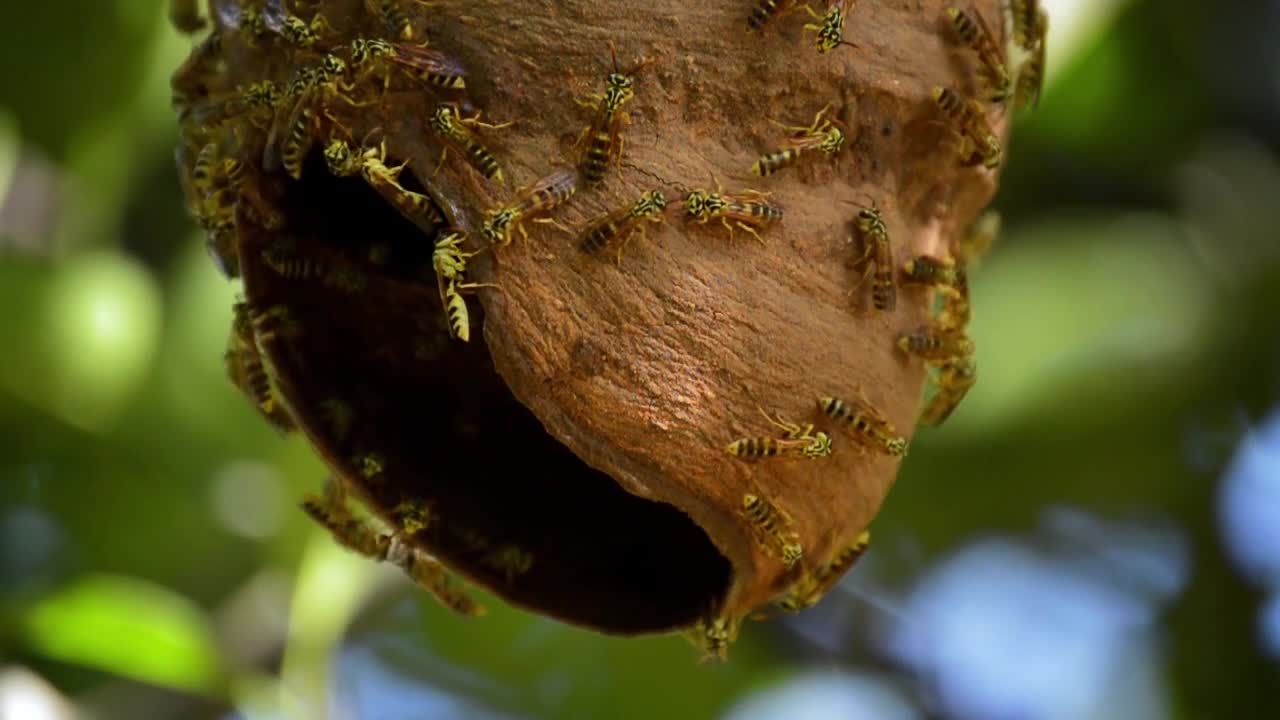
(229, 129)
(242, 144)
(602, 144)
(976, 142)
(860, 418)
(333, 511)
(943, 344)
(827, 26)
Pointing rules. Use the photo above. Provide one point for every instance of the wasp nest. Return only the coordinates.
(620, 310)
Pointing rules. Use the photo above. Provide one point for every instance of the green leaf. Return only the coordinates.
(129, 627)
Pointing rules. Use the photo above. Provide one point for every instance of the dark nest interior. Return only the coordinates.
(373, 378)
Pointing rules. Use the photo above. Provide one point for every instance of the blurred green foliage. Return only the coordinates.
(1127, 343)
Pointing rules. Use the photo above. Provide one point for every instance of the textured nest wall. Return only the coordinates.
(572, 457)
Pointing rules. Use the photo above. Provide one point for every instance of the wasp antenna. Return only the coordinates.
(364, 142)
(871, 204)
(613, 51)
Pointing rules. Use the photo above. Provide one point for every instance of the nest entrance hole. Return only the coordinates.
(507, 504)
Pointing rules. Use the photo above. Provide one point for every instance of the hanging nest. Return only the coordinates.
(574, 456)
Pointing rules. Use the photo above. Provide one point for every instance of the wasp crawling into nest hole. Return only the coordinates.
(665, 436)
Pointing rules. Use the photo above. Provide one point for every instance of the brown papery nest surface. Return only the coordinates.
(571, 457)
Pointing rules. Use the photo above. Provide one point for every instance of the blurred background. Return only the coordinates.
(1094, 534)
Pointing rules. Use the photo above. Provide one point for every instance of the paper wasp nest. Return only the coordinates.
(571, 457)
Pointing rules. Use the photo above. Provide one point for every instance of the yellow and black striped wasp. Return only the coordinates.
(548, 193)
(624, 222)
(448, 123)
(751, 210)
(824, 135)
(978, 143)
(604, 135)
(973, 31)
(830, 25)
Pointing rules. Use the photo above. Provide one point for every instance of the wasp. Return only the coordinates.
(548, 193)
(247, 371)
(1030, 23)
(263, 94)
(449, 259)
(818, 446)
(955, 377)
(956, 310)
(311, 87)
(867, 422)
(713, 635)
(300, 136)
(450, 263)
(511, 560)
(370, 55)
(370, 163)
(369, 50)
(416, 206)
(413, 517)
(1030, 80)
(774, 524)
(978, 239)
(797, 440)
(332, 512)
(304, 79)
(750, 211)
(978, 143)
(203, 170)
(830, 27)
(370, 465)
(605, 130)
(823, 135)
(430, 65)
(254, 24)
(345, 162)
(301, 124)
(455, 307)
(209, 207)
(812, 587)
(624, 222)
(448, 122)
(926, 270)
(327, 78)
(218, 218)
(283, 258)
(877, 256)
(302, 34)
(273, 322)
(185, 16)
(389, 13)
(217, 184)
(237, 179)
(220, 244)
(260, 98)
(766, 10)
(258, 102)
(206, 187)
(936, 343)
(973, 31)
